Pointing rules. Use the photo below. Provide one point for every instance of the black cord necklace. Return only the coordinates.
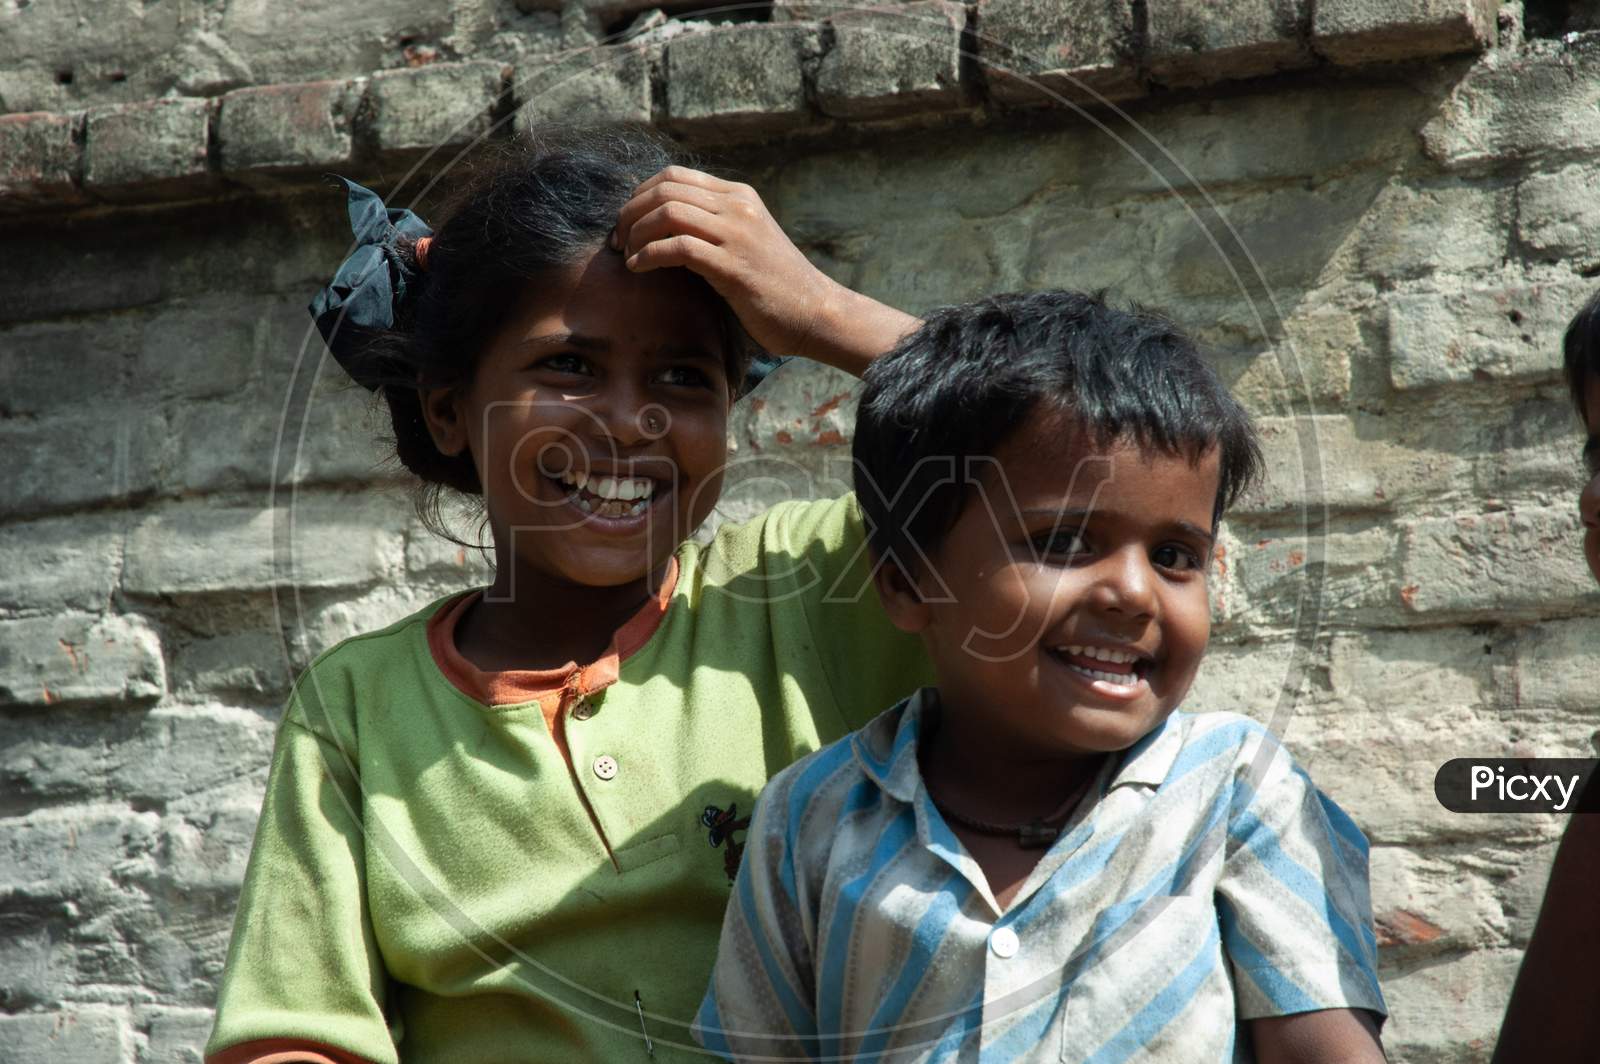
(1036, 834)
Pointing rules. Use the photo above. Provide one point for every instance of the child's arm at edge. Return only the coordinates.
(1329, 1036)
(722, 231)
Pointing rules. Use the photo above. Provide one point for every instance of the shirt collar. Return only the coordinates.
(886, 749)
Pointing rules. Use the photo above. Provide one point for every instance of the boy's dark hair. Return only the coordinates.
(527, 210)
(960, 385)
(1581, 347)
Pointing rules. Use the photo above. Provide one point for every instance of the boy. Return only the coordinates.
(1039, 859)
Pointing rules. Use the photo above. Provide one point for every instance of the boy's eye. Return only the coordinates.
(1174, 557)
(1064, 541)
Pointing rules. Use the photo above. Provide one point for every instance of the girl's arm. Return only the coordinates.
(722, 231)
(1329, 1036)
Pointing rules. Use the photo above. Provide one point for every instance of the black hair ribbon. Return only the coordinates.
(370, 283)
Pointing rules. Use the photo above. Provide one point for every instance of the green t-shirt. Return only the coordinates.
(427, 881)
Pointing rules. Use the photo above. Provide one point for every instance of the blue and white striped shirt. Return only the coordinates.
(1204, 881)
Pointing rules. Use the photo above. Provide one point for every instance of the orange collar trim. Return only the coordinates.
(551, 688)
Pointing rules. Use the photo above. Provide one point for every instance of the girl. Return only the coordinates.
(505, 828)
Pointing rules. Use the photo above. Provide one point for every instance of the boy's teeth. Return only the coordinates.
(1119, 678)
(1116, 657)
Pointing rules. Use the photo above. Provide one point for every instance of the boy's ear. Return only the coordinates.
(901, 599)
(443, 416)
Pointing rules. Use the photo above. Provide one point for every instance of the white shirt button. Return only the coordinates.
(605, 766)
(583, 710)
(1004, 942)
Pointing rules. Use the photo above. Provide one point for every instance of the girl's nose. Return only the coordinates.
(625, 416)
(1589, 503)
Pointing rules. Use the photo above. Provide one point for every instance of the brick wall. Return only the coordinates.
(1377, 215)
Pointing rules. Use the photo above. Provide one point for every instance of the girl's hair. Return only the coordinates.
(527, 210)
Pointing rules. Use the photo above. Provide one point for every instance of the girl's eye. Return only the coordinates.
(566, 363)
(685, 377)
(1062, 543)
(1178, 558)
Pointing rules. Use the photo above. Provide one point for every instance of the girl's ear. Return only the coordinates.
(901, 599)
(442, 413)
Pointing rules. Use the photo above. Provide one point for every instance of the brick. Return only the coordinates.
(229, 445)
(1192, 42)
(429, 557)
(337, 541)
(1409, 231)
(40, 363)
(1450, 667)
(1517, 564)
(1520, 105)
(1557, 667)
(435, 106)
(59, 463)
(1426, 904)
(1356, 583)
(1482, 333)
(167, 758)
(1309, 363)
(85, 1035)
(1347, 463)
(143, 150)
(174, 1036)
(1031, 51)
(286, 130)
(197, 348)
(60, 564)
(71, 658)
(1247, 678)
(890, 61)
(1369, 31)
(603, 85)
(1528, 450)
(739, 79)
(246, 665)
(1449, 1010)
(1558, 215)
(1379, 764)
(61, 852)
(41, 159)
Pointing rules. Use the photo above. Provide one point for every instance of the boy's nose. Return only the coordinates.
(1125, 585)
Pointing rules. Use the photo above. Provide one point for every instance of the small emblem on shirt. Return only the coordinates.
(722, 824)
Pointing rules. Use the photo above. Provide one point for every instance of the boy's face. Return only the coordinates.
(607, 377)
(1080, 609)
(1589, 500)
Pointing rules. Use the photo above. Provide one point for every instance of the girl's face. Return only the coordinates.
(597, 421)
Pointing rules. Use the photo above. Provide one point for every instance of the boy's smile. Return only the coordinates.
(1077, 611)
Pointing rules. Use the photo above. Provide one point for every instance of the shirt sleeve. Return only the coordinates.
(303, 969)
(810, 562)
(1293, 894)
(761, 1001)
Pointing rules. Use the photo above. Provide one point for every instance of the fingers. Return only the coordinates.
(701, 256)
(682, 184)
(668, 218)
